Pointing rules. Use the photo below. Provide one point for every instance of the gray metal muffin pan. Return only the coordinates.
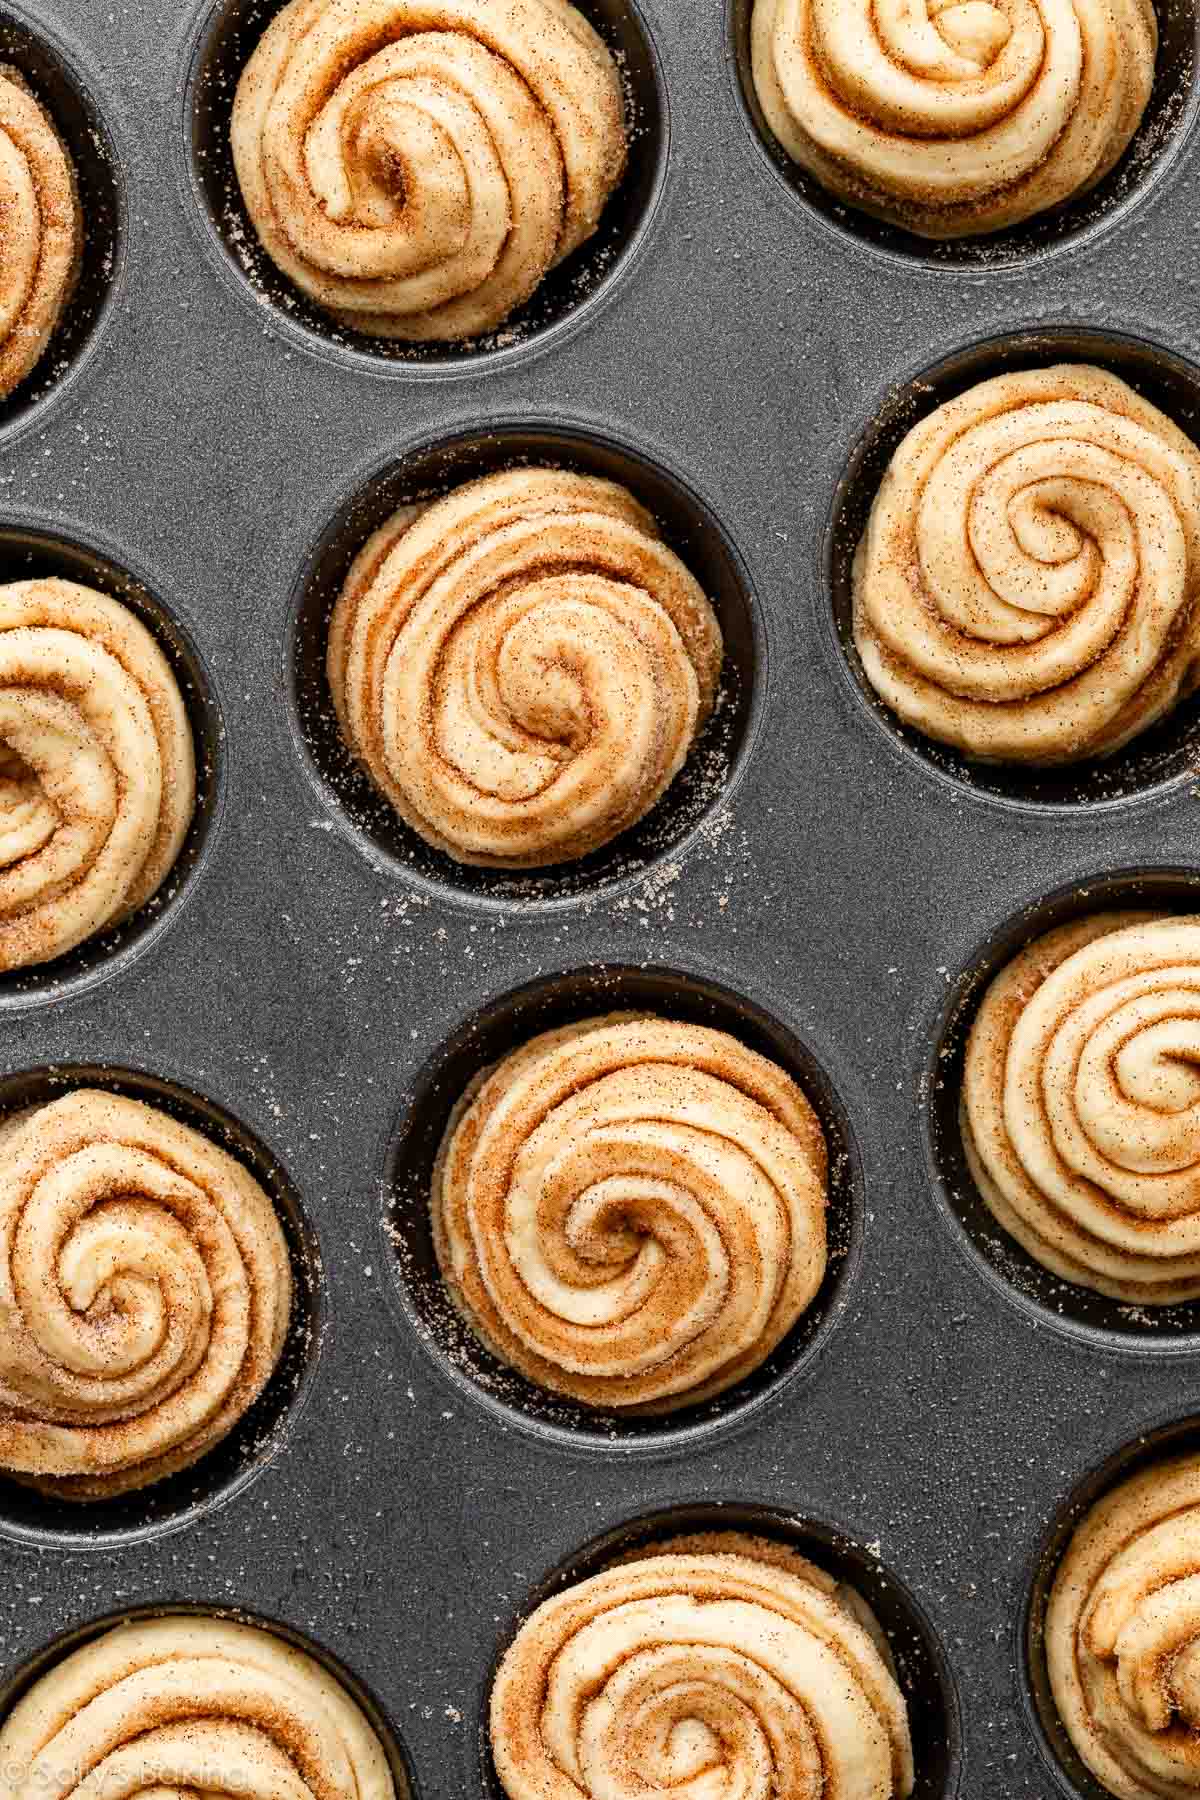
(317, 985)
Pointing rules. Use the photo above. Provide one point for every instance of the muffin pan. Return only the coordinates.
(317, 985)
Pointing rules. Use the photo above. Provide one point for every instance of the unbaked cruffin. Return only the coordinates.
(1122, 1635)
(632, 1211)
(42, 241)
(188, 1704)
(1026, 587)
(954, 120)
(1081, 1103)
(145, 1293)
(522, 666)
(720, 1662)
(97, 767)
(417, 169)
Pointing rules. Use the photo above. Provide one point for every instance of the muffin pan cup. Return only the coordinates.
(1105, 1323)
(56, 68)
(424, 472)
(86, 1631)
(33, 549)
(223, 37)
(836, 897)
(55, 1524)
(918, 1657)
(1175, 1436)
(411, 1153)
(1158, 146)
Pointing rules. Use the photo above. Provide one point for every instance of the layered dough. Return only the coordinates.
(522, 666)
(97, 768)
(1026, 586)
(1123, 1635)
(714, 1664)
(954, 117)
(631, 1212)
(1081, 1104)
(189, 1704)
(42, 239)
(145, 1291)
(417, 167)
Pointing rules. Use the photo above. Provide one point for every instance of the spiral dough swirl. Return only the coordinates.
(522, 666)
(1081, 1104)
(43, 230)
(631, 1211)
(187, 1705)
(145, 1290)
(417, 167)
(954, 117)
(1123, 1635)
(97, 769)
(719, 1663)
(1026, 586)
